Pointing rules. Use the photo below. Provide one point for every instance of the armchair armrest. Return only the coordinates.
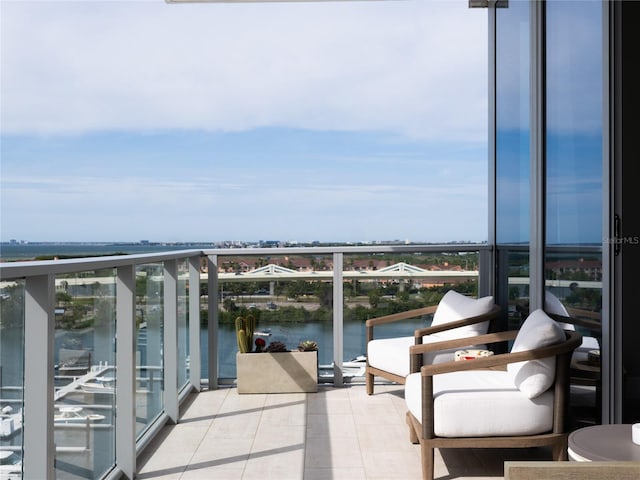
(572, 342)
(416, 351)
(396, 317)
(590, 324)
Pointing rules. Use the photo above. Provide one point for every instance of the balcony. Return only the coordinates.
(77, 322)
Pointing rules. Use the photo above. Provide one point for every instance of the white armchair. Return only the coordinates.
(511, 400)
(455, 316)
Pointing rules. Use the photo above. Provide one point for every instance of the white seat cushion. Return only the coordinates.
(392, 354)
(481, 403)
(455, 306)
(534, 377)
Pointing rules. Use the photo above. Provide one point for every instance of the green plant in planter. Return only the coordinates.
(244, 332)
(308, 346)
(276, 347)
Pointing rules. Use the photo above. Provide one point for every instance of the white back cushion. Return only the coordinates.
(534, 377)
(552, 304)
(455, 306)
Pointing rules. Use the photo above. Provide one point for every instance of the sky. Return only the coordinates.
(337, 121)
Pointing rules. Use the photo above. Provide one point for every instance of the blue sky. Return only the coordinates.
(353, 121)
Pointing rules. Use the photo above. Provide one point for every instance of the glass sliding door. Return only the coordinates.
(574, 150)
(627, 261)
(513, 164)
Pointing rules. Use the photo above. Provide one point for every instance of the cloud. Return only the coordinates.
(99, 208)
(350, 121)
(416, 68)
(573, 63)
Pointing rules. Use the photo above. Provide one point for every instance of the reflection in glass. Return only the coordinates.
(512, 124)
(573, 263)
(149, 344)
(183, 323)
(84, 398)
(517, 286)
(513, 158)
(574, 123)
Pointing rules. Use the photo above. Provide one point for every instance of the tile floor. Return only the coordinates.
(337, 433)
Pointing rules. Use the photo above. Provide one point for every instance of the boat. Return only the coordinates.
(356, 367)
(99, 385)
(75, 415)
(10, 422)
(10, 465)
(263, 333)
(358, 362)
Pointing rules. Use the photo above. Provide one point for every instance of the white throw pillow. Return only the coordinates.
(534, 377)
(455, 306)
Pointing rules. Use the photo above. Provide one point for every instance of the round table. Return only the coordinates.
(603, 443)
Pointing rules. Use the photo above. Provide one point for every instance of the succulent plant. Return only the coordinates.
(276, 347)
(308, 346)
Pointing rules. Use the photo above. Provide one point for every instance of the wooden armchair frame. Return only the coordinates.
(371, 372)
(423, 433)
(590, 324)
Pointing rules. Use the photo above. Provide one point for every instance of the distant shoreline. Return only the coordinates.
(11, 252)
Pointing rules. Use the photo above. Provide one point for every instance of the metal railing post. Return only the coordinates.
(170, 341)
(39, 329)
(126, 370)
(212, 361)
(338, 319)
(194, 322)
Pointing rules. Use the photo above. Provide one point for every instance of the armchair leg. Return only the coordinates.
(559, 450)
(413, 436)
(369, 382)
(427, 461)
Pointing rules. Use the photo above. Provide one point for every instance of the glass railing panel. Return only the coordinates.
(290, 296)
(149, 344)
(84, 358)
(376, 285)
(11, 377)
(183, 323)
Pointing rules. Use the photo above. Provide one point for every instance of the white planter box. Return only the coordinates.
(280, 372)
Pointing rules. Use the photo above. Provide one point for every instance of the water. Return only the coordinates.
(291, 334)
(9, 252)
